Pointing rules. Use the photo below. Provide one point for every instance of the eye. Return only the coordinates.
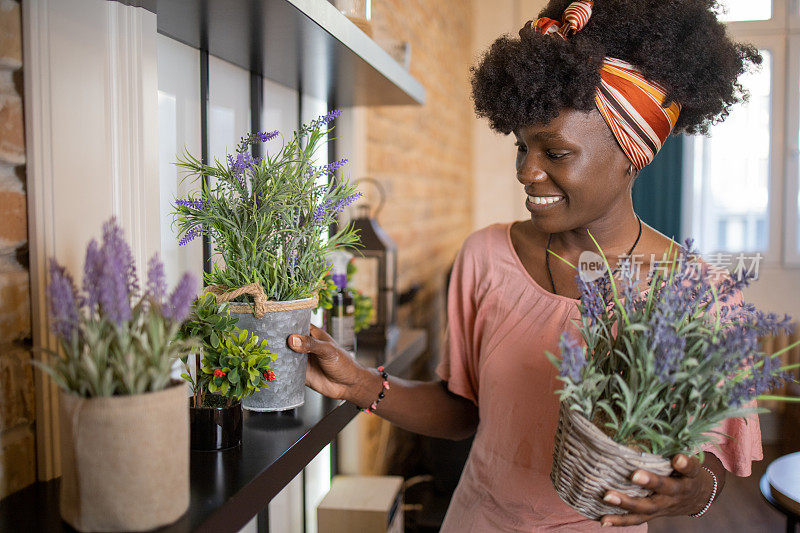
(555, 156)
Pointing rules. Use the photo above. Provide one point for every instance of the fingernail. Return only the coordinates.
(605, 524)
(296, 342)
(640, 477)
(612, 499)
(680, 462)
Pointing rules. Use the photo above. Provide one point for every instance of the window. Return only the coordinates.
(742, 192)
(735, 159)
(745, 10)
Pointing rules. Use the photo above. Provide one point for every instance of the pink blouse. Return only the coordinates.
(501, 322)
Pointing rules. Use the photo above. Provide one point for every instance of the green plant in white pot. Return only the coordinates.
(268, 219)
(124, 424)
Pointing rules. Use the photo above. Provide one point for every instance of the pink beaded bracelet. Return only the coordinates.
(385, 385)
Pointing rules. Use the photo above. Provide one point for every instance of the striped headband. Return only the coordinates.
(630, 104)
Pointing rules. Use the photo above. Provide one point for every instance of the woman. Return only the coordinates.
(590, 91)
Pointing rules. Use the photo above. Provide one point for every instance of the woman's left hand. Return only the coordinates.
(684, 494)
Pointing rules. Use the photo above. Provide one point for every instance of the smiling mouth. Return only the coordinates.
(544, 201)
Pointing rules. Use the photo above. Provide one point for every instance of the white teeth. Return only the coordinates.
(542, 200)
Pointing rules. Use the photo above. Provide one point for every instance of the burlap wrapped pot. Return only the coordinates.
(587, 464)
(125, 460)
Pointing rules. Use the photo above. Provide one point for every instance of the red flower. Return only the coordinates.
(218, 372)
(270, 375)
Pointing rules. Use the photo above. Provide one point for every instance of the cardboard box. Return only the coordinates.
(366, 504)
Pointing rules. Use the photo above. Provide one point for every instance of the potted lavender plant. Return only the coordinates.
(655, 375)
(233, 366)
(268, 219)
(123, 422)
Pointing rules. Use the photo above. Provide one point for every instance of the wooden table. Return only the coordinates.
(784, 473)
(230, 487)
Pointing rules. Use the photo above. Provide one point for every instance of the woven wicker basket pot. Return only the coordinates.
(587, 463)
(283, 319)
(125, 460)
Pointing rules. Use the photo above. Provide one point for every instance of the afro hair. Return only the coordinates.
(677, 43)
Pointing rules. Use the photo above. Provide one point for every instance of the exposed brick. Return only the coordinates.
(10, 35)
(422, 154)
(17, 459)
(14, 228)
(12, 130)
(15, 320)
(17, 399)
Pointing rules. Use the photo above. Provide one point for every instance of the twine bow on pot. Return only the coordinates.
(262, 304)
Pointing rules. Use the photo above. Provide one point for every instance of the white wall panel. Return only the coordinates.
(229, 107)
(286, 508)
(178, 131)
(280, 110)
(91, 120)
(318, 483)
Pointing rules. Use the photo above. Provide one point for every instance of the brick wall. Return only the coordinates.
(422, 154)
(17, 408)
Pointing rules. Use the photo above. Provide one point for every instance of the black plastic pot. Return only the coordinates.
(215, 428)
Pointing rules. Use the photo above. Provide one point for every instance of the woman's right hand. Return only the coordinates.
(331, 371)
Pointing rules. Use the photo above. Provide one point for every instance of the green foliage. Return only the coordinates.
(106, 359)
(269, 219)
(233, 366)
(364, 310)
(238, 367)
(327, 290)
(209, 322)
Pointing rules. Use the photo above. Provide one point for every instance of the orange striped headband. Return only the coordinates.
(630, 104)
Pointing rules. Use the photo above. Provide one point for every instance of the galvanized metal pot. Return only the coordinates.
(288, 390)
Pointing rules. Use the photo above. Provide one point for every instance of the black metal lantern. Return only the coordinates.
(376, 274)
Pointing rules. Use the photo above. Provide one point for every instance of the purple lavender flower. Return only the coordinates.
(573, 358)
(667, 345)
(264, 136)
(328, 169)
(181, 298)
(194, 203)
(156, 279)
(190, 235)
(344, 202)
(324, 119)
(595, 296)
(759, 381)
(114, 296)
(117, 251)
(62, 303)
(239, 164)
(319, 213)
(92, 270)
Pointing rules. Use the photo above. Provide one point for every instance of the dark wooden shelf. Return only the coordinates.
(229, 488)
(307, 45)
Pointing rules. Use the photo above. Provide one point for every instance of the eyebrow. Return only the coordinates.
(545, 136)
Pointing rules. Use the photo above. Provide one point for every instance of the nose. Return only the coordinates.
(529, 172)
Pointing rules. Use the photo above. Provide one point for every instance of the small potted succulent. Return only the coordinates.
(233, 366)
(656, 373)
(268, 219)
(124, 425)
